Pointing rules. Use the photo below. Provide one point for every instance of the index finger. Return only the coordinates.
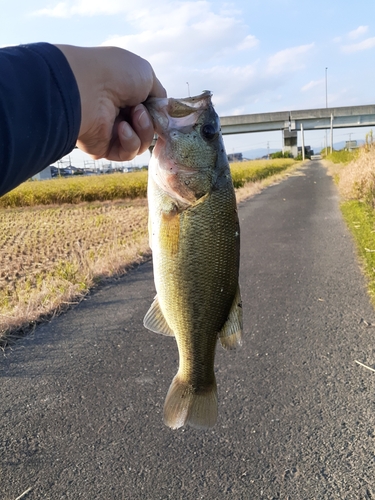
(157, 89)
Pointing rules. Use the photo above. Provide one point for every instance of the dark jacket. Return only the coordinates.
(40, 111)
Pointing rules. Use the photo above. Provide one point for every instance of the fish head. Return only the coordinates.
(189, 155)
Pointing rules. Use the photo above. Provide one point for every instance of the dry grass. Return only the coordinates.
(357, 180)
(52, 255)
(356, 183)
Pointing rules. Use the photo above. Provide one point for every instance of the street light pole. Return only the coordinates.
(187, 83)
(326, 107)
(326, 89)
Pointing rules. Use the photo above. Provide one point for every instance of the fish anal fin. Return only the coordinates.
(186, 406)
(231, 333)
(155, 320)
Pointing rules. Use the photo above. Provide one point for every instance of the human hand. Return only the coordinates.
(113, 83)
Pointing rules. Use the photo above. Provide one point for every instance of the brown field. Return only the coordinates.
(53, 255)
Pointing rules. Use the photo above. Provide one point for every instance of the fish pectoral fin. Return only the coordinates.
(231, 333)
(155, 320)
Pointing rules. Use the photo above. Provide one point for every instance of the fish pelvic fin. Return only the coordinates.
(231, 333)
(155, 320)
(185, 405)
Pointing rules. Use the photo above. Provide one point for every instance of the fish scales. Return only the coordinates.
(195, 244)
(207, 243)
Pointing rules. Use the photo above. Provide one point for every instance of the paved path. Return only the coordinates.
(82, 398)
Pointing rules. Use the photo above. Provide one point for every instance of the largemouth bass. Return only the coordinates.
(195, 240)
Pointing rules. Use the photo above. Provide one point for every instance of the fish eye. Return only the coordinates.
(208, 131)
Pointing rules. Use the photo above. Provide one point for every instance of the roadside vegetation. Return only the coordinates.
(354, 174)
(61, 237)
(77, 189)
(257, 170)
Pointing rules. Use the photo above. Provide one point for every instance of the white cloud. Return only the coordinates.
(87, 8)
(59, 10)
(197, 42)
(187, 33)
(230, 82)
(352, 35)
(311, 85)
(148, 12)
(369, 43)
(361, 30)
(192, 43)
(249, 42)
(287, 60)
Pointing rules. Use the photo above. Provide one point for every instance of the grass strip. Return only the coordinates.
(360, 219)
(77, 189)
(344, 157)
(254, 171)
(109, 187)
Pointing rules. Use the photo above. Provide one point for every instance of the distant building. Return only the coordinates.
(43, 175)
(308, 151)
(66, 171)
(235, 157)
(129, 169)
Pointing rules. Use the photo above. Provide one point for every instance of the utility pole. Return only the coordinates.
(187, 83)
(303, 142)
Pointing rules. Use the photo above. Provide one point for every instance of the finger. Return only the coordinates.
(157, 89)
(143, 126)
(129, 142)
(126, 145)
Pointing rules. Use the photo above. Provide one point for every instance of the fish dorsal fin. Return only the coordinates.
(155, 321)
(231, 333)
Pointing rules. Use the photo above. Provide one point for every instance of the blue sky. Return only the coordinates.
(255, 56)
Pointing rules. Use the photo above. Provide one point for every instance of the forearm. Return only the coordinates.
(40, 111)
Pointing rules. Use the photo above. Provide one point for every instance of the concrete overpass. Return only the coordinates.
(291, 121)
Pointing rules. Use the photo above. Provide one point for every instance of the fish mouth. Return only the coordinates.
(170, 114)
(174, 120)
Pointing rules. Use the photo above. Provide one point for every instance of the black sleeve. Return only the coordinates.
(40, 111)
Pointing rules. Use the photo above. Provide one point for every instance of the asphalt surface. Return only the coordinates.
(82, 398)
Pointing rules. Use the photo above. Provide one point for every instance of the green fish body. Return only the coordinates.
(195, 241)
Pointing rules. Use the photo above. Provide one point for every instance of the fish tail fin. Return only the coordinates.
(185, 405)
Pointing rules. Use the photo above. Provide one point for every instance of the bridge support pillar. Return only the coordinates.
(290, 142)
